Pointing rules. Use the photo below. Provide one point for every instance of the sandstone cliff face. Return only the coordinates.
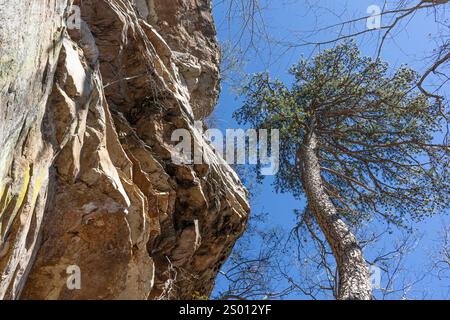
(86, 176)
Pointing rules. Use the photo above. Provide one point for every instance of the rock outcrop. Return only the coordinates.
(88, 105)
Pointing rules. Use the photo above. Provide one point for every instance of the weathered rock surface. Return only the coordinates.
(86, 176)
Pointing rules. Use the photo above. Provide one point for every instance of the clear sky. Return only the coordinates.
(284, 20)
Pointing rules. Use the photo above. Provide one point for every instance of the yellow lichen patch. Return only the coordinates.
(8, 212)
(37, 184)
(25, 186)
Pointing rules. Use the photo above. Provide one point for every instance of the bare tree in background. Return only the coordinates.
(301, 264)
(319, 273)
(246, 17)
(252, 32)
(253, 274)
(441, 259)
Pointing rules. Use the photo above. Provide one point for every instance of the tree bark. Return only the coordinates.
(354, 278)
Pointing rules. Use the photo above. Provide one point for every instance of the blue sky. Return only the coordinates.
(284, 19)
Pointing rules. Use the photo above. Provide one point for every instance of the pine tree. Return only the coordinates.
(358, 142)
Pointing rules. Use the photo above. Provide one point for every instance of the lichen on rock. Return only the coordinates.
(86, 173)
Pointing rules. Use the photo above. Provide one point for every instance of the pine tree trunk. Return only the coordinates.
(354, 279)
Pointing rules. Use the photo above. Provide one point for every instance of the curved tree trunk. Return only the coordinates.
(354, 279)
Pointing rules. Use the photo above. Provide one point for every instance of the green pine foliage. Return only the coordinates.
(376, 134)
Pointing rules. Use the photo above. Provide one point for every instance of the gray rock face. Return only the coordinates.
(87, 180)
